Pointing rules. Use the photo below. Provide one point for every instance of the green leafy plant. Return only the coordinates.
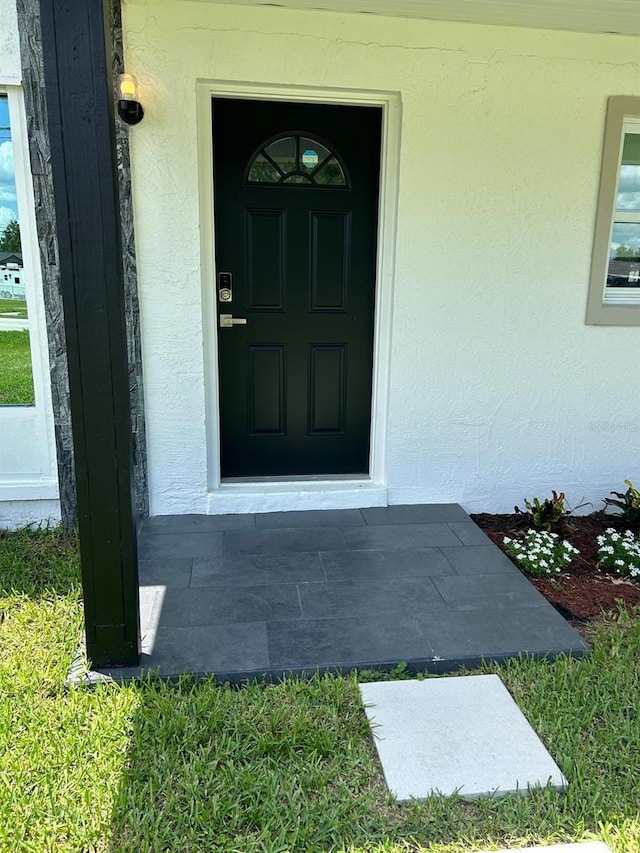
(10, 237)
(541, 553)
(629, 503)
(547, 514)
(619, 553)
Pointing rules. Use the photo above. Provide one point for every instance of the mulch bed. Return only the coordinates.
(582, 591)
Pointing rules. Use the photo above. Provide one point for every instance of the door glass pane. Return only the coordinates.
(312, 154)
(297, 179)
(330, 174)
(628, 197)
(262, 171)
(284, 154)
(297, 161)
(624, 255)
(16, 380)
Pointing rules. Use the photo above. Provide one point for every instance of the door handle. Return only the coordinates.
(228, 320)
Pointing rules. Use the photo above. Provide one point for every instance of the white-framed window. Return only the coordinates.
(17, 386)
(614, 288)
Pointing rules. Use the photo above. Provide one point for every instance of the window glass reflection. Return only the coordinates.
(263, 171)
(296, 160)
(16, 379)
(330, 174)
(624, 255)
(628, 196)
(283, 152)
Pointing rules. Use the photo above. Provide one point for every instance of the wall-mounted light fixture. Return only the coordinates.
(129, 107)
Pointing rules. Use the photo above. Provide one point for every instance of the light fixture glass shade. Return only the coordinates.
(129, 107)
(128, 87)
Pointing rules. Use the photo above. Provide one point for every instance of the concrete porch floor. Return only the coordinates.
(253, 596)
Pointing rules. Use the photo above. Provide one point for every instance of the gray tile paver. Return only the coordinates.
(250, 569)
(204, 649)
(170, 571)
(478, 559)
(495, 631)
(197, 523)
(392, 536)
(351, 642)
(472, 592)
(310, 518)
(469, 533)
(399, 596)
(414, 514)
(228, 604)
(285, 541)
(398, 563)
(417, 584)
(170, 545)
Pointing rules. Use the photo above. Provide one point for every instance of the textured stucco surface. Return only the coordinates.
(9, 43)
(20, 513)
(498, 389)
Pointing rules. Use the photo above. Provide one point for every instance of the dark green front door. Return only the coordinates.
(296, 202)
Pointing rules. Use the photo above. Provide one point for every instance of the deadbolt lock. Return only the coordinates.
(225, 287)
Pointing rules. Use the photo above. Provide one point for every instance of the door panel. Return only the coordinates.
(330, 251)
(327, 389)
(265, 254)
(296, 197)
(266, 390)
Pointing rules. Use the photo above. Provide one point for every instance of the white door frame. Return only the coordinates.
(320, 492)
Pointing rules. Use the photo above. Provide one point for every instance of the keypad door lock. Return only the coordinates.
(225, 287)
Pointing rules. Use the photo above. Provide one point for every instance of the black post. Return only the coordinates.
(77, 75)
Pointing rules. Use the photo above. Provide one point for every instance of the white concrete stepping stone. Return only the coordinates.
(462, 735)
(581, 847)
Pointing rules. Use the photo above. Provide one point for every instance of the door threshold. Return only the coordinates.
(280, 494)
(299, 478)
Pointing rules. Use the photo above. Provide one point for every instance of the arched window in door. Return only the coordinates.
(296, 159)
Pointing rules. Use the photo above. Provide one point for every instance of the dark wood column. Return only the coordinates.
(80, 116)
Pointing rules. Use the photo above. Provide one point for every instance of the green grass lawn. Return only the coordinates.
(195, 766)
(16, 379)
(13, 308)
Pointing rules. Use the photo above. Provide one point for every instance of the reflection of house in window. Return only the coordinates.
(10, 258)
(623, 272)
(11, 270)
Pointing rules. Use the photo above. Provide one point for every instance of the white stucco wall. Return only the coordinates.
(28, 480)
(498, 388)
(10, 70)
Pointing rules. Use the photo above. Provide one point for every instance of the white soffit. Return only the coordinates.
(588, 16)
